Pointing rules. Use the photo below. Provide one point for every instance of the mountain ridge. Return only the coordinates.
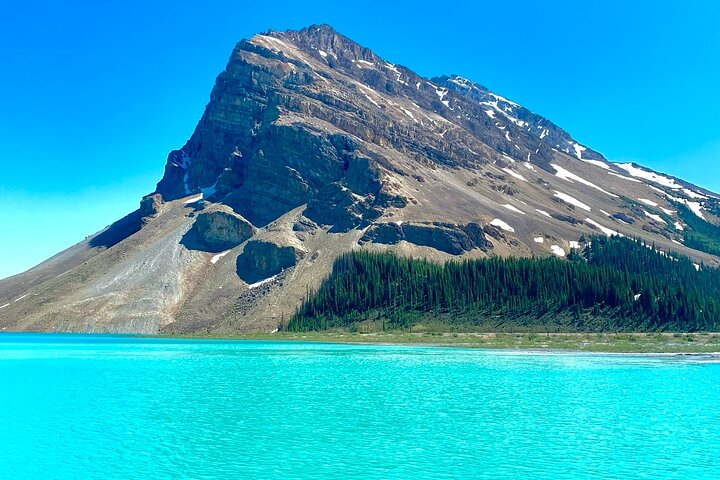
(311, 146)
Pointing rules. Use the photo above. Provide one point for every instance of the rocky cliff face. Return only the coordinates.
(312, 145)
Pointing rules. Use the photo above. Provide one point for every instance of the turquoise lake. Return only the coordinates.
(109, 407)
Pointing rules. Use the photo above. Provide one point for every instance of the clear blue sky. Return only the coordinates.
(93, 95)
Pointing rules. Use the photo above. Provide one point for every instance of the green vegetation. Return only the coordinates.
(588, 342)
(613, 285)
(700, 234)
(712, 205)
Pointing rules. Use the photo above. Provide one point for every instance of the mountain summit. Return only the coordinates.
(312, 146)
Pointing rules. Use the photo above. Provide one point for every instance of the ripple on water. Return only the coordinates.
(118, 407)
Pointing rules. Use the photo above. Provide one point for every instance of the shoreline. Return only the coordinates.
(675, 345)
(655, 344)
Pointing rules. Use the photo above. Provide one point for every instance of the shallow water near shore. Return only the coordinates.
(106, 407)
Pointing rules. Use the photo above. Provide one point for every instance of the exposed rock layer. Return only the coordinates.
(445, 237)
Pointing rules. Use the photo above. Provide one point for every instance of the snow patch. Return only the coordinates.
(194, 199)
(20, 298)
(503, 99)
(514, 174)
(607, 231)
(6, 305)
(185, 162)
(696, 208)
(543, 212)
(693, 194)
(657, 218)
(204, 193)
(574, 244)
(322, 53)
(571, 200)
(275, 41)
(578, 150)
(506, 111)
(539, 240)
(570, 177)
(597, 163)
(514, 209)
(262, 282)
(648, 202)
(653, 177)
(372, 101)
(217, 257)
(557, 250)
(499, 223)
(679, 226)
(398, 73)
(409, 114)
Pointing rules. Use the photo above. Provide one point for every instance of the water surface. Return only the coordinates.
(111, 407)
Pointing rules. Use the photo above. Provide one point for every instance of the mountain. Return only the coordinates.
(312, 146)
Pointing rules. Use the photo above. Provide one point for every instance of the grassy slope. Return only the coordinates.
(583, 342)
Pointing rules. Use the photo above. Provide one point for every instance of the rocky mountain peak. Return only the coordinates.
(309, 117)
(311, 146)
(324, 38)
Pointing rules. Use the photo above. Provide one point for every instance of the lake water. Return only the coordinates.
(110, 407)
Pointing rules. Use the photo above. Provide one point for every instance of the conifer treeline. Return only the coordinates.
(700, 234)
(620, 283)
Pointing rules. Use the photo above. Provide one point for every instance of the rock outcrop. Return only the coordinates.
(262, 259)
(218, 229)
(445, 237)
